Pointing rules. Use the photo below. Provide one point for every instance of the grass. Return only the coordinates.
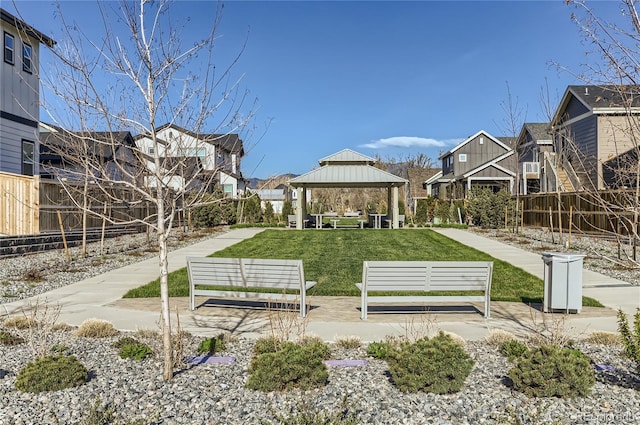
(334, 260)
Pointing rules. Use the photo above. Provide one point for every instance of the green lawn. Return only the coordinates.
(334, 260)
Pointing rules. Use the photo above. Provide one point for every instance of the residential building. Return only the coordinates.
(110, 155)
(20, 95)
(195, 159)
(276, 196)
(479, 160)
(533, 146)
(594, 128)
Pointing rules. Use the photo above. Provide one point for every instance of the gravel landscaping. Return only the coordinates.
(215, 394)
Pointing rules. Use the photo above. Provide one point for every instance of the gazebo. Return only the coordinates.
(347, 169)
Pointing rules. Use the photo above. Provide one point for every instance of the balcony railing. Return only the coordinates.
(531, 170)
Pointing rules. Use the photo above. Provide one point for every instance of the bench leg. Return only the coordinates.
(303, 304)
(363, 306)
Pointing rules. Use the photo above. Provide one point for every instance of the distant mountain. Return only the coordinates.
(270, 183)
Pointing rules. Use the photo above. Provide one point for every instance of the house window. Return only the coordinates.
(26, 58)
(151, 151)
(9, 48)
(228, 189)
(27, 158)
(462, 157)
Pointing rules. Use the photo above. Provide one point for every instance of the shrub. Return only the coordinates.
(219, 210)
(7, 338)
(498, 336)
(266, 345)
(212, 345)
(138, 351)
(308, 414)
(292, 366)
(20, 322)
(349, 342)
(513, 349)
(51, 373)
(551, 371)
(487, 208)
(630, 339)
(127, 340)
(604, 338)
(95, 328)
(382, 350)
(287, 209)
(438, 365)
(59, 349)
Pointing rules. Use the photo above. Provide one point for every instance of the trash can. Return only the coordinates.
(562, 282)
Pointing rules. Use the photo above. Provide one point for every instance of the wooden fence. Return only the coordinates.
(19, 204)
(603, 211)
(57, 205)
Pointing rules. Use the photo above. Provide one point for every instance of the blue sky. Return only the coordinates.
(383, 78)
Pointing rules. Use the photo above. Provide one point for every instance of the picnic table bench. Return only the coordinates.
(232, 277)
(424, 276)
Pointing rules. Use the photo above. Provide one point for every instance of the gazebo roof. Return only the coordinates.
(347, 168)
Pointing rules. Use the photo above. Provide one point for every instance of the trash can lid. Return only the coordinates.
(563, 255)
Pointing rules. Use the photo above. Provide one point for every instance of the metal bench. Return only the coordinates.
(425, 276)
(259, 275)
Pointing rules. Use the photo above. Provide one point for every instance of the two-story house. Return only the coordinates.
(107, 156)
(595, 130)
(479, 160)
(533, 146)
(192, 159)
(20, 95)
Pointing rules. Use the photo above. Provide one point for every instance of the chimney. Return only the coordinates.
(586, 91)
(233, 163)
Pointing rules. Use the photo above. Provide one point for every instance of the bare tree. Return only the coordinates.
(142, 73)
(616, 44)
(512, 121)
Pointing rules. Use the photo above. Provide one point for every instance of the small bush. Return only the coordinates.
(33, 275)
(19, 322)
(51, 373)
(380, 350)
(438, 365)
(127, 340)
(604, 338)
(212, 345)
(308, 414)
(7, 338)
(95, 328)
(59, 349)
(498, 336)
(137, 351)
(266, 345)
(551, 371)
(513, 349)
(292, 366)
(630, 338)
(349, 342)
(64, 327)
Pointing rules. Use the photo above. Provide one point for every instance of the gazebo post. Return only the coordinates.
(299, 208)
(390, 207)
(396, 210)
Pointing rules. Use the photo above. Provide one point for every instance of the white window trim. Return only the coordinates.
(27, 59)
(462, 157)
(11, 49)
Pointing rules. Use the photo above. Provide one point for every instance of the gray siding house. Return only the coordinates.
(20, 96)
(534, 145)
(591, 129)
(479, 160)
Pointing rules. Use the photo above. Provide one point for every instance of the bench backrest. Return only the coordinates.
(292, 218)
(427, 275)
(246, 272)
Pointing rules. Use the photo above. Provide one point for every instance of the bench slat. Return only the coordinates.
(280, 275)
(414, 276)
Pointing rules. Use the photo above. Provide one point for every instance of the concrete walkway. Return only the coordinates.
(330, 317)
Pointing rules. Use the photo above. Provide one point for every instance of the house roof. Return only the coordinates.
(100, 144)
(26, 28)
(433, 178)
(603, 99)
(229, 142)
(469, 139)
(347, 169)
(540, 133)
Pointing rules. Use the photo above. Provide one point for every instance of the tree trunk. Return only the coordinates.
(167, 371)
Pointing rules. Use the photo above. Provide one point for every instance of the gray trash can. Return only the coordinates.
(562, 282)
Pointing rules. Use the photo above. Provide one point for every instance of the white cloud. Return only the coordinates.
(409, 142)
